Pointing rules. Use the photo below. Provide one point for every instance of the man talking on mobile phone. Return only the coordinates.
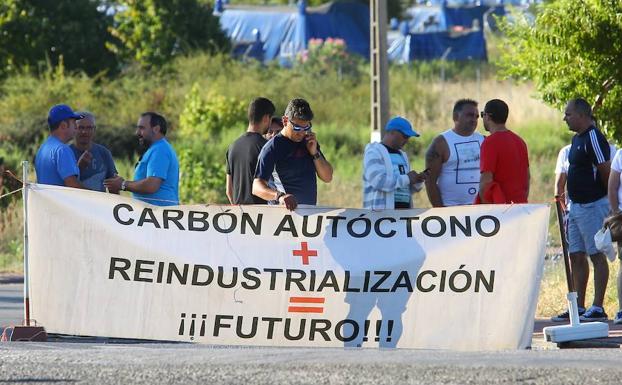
(292, 159)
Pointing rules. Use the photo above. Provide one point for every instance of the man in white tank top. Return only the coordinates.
(453, 159)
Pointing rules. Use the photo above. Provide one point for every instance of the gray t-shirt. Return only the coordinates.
(101, 167)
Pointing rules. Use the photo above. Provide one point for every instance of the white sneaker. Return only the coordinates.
(618, 319)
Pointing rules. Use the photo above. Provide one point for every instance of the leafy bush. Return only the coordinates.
(206, 125)
(203, 118)
(330, 56)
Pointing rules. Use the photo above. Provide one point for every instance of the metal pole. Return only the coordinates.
(25, 204)
(378, 68)
(562, 234)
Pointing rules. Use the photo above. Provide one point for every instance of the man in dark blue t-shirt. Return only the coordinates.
(292, 159)
(588, 174)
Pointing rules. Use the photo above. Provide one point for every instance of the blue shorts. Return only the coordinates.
(584, 220)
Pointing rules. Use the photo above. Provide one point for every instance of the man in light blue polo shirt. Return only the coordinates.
(156, 177)
(55, 163)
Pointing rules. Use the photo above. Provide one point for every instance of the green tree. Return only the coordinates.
(573, 49)
(154, 31)
(33, 32)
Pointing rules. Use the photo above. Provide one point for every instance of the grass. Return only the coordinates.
(11, 237)
(552, 299)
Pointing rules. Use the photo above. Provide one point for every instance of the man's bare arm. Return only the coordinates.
(603, 171)
(72, 181)
(484, 180)
(229, 188)
(434, 158)
(261, 189)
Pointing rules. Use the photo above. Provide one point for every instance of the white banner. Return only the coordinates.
(462, 278)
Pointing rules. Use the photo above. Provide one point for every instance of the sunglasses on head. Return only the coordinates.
(301, 128)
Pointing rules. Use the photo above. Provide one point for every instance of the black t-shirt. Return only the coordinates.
(241, 164)
(588, 150)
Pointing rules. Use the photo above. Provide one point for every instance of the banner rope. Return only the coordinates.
(11, 193)
(12, 176)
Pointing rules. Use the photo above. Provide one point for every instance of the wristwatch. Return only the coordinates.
(124, 185)
(279, 194)
(316, 156)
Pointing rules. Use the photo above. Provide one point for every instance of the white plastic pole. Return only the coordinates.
(25, 198)
(573, 308)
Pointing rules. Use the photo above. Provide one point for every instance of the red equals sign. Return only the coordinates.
(305, 305)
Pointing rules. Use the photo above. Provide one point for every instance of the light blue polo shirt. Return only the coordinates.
(160, 161)
(54, 162)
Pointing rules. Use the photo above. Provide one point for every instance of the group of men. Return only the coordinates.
(87, 165)
(283, 169)
(462, 167)
(278, 160)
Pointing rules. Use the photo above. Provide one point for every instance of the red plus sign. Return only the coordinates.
(305, 253)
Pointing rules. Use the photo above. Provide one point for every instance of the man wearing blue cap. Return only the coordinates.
(55, 162)
(388, 182)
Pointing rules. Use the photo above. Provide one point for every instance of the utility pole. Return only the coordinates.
(379, 68)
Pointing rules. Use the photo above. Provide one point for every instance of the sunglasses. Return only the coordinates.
(482, 114)
(300, 128)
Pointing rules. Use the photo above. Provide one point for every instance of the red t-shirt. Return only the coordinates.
(504, 154)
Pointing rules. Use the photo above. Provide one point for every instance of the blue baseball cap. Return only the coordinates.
(60, 112)
(402, 125)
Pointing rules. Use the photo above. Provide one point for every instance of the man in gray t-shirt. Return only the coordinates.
(94, 160)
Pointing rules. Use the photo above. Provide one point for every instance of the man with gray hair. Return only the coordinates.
(587, 181)
(292, 158)
(94, 160)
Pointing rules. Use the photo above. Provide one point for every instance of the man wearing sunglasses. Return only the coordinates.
(293, 159)
(504, 162)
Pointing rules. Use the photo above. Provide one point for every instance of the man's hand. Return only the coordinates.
(113, 184)
(85, 159)
(289, 200)
(417, 177)
(311, 143)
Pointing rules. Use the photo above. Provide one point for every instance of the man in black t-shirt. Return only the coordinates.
(242, 154)
(588, 174)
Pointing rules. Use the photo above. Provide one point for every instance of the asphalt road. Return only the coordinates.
(91, 361)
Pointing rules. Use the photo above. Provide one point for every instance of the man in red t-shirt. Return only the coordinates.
(504, 164)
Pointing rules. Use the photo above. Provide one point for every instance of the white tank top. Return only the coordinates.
(459, 179)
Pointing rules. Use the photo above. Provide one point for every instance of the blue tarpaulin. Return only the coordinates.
(434, 45)
(269, 33)
(284, 31)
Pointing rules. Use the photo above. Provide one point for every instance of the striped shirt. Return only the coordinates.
(588, 149)
(379, 180)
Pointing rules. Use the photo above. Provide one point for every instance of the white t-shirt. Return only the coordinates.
(616, 165)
